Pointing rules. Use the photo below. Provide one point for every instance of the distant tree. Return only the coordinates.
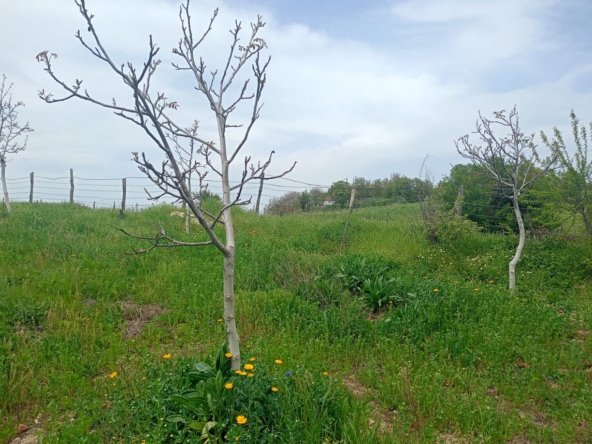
(305, 200)
(575, 171)
(511, 160)
(405, 189)
(340, 191)
(10, 132)
(363, 187)
(483, 202)
(288, 203)
(317, 197)
(153, 114)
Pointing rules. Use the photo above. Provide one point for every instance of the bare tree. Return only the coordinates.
(576, 169)
(10, 131)
(152, 113)
(512, 161)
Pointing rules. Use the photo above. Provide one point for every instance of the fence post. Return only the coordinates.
(71, 185)
(31, 192)
(460, 201)
(259, 194)
(351, 209)
(123, 183)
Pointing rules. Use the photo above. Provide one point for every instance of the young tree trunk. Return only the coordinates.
(4, 189)
(522, 233)
(587, 221)
(229, 257)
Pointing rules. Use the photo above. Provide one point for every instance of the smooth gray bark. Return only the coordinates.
(4, 188)
(522, 240)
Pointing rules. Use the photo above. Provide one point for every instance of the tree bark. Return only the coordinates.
(522, 235)
(229, 257)
(587, 221)
(4, 189)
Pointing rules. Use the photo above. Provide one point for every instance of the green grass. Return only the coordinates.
(468, 361)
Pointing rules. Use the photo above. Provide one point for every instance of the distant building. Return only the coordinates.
(328, 201)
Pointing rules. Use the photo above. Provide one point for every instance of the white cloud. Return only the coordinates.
(338, 106)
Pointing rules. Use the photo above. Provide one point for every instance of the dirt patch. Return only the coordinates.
(29, 436)
(377, 414)
(519, 440)
(453, 438)
(136, 316)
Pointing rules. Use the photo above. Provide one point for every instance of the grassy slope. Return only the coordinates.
(469, 360)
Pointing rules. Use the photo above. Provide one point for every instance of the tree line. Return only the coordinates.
(379, 192)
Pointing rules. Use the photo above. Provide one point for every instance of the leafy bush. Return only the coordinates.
(259, 404)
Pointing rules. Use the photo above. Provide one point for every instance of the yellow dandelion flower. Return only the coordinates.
(167, 356)
(240, 419)
(325, 373)
(476, 289)
(436, 290)
(228, 355)
(220, 320)
(252, 359)
(250, 375)
(491, 282)
(241, 373)
(249, 367)
(238, 372)
(275, 389)
(228, 385)
(237, 438)
(278, 361)
(113, 375)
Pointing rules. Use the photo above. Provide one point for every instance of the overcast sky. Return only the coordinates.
(355, 88)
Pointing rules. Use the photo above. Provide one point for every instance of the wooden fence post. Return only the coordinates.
(460, 201)
(124, 186)
(31, 192)
(351, 209)
(259, 194)
(71, 185)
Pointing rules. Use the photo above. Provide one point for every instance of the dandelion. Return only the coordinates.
(113, 375)
(252, 359)
(237, 438)
(250, 375)
(167, 356)
(491, 282)
(228, 355)
(228, 385)
(220, 320)
(240, 419)
(241, 373)
(325, 373)
(436, 290)
(275, 389)
(278, 361)
(249, 367)
(476, 289)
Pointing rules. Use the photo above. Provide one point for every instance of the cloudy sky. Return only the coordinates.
(355, 88)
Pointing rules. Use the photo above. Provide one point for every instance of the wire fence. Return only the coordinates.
(127, 193)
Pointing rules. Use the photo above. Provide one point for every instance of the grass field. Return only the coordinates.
(94, 342)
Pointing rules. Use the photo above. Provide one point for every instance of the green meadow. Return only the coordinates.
(390, 339)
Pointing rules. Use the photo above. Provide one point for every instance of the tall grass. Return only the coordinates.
(462, 360)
